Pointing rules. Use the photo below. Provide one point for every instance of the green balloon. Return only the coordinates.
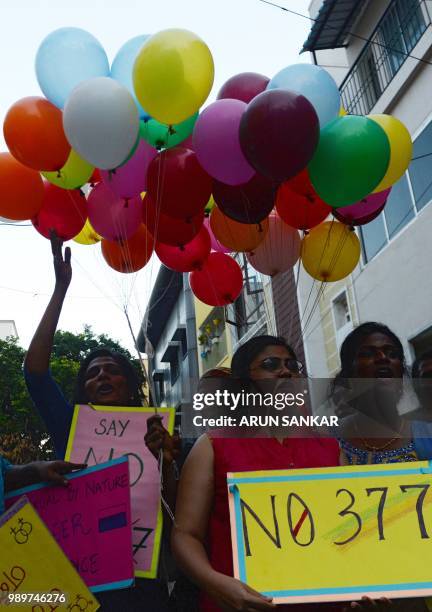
(162, 136)
(352, 157)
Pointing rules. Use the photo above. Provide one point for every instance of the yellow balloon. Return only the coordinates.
(173, 75)
(87, 235)
(75, 173)
(210, 205)
(401, 149)
(330, 251)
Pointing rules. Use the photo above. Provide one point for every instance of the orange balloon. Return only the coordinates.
(129, 255)
(33, 130)
(240, 237)
(21, 189)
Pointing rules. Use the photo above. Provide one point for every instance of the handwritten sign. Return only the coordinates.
(91, 521)
(31, 562)
(334, 534)
(102, 433)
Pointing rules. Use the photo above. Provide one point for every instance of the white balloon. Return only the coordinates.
(5, 220)
(101, 122)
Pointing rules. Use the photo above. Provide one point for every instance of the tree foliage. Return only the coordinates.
(23, 435)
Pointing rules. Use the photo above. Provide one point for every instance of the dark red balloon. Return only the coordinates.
(279, 133)
(63, 210)
(219, 282)
(244, 86)
(169, 230)
(189, 257)
(178, 184)
(248, 203)
(353, 222)
(298, 204)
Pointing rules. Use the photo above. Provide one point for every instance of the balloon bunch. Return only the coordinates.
(124, 156)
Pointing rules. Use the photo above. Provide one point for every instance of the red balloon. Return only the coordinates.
(251, 202)
(129, 255)
(21, 189)
(298, 204)
(63, 210)
(95, 177)
(279, 133)
(33, 130)
(178, 184)
(219, 282)
(244, 86)
(189, 257)
(169, 230)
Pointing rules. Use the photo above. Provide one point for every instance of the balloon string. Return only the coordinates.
(337, 253)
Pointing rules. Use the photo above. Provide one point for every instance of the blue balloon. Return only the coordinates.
(65, 58)
(315, 84)
(122, 67)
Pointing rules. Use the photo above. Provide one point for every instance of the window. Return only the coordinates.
(395, 36)
(249, 307)
(399, 209)
(342, 317)
(174, 369)
(342, 314)
(420, 169)
(373, 237)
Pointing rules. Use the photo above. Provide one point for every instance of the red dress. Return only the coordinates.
(245, 455)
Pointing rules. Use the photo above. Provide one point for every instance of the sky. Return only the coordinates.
(243, 35)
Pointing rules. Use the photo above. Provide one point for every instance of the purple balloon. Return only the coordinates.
(244, 86)
(216, 142)
(279, 133)
(215, 244)
(112, 217)
(130, 180)
(364, 211)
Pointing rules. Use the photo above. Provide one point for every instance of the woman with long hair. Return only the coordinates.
(105, 378)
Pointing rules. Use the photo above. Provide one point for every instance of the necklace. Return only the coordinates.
(371, 447)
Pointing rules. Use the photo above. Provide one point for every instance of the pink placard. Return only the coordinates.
(91, 521)
(102, 433)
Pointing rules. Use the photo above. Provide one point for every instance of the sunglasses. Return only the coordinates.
(273, 364)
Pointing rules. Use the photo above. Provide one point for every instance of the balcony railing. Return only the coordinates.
(396, 35)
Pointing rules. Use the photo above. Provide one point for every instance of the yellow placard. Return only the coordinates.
(35, 575)
(334, 534)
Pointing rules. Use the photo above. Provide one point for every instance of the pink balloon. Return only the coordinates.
(112, 217)
(186, 258)
(130, 179)
(215, 244)
(364, 211)
(280, 249)
(216, 142)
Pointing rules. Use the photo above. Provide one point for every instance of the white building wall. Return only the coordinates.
(395, 287)
(8, 329)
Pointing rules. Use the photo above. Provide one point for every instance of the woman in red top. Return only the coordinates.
(201, 538)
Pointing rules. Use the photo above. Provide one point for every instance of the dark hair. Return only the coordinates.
(415, 370)
(350, 345)
(134, 385)
(248, 351)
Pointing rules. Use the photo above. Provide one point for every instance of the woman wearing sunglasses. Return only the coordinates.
(201, 539)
